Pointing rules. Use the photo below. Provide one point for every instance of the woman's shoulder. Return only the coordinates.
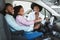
(7, 15)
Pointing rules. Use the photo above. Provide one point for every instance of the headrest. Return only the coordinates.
(1, 4)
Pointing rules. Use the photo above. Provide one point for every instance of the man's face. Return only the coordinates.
(10, 9)
(36, 9)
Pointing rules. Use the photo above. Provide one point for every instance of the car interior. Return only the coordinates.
(7, 34)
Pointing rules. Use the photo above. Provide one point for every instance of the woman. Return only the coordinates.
(20, 19)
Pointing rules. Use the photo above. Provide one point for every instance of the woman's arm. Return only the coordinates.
(10, 20)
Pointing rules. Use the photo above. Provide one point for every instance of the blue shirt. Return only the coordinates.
(11, 21)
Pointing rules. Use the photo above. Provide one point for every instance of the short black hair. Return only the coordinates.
(16, 10)
(34, 4)
(6, 5)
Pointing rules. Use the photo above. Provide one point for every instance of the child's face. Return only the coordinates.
(21, 11)
(36, 9)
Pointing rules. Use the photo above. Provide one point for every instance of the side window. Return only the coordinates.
(26, 5)
(46, 13)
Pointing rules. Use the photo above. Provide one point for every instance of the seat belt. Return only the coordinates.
(12, 28)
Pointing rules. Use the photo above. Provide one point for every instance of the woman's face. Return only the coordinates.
(36, 9)
(10, 9)
(21, 11)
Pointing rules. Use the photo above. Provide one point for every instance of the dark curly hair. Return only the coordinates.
(34, 4)
(6, 5)
(16, 10)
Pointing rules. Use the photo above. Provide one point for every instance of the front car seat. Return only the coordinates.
(5, 33)
(2, 32)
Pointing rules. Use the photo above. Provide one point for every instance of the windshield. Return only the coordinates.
(30, 17)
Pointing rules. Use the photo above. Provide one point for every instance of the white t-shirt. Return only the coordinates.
(31, 16)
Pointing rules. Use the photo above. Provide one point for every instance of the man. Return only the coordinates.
(35, 14)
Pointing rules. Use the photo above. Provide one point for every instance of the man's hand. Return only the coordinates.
(37, 26)
(38, 20)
